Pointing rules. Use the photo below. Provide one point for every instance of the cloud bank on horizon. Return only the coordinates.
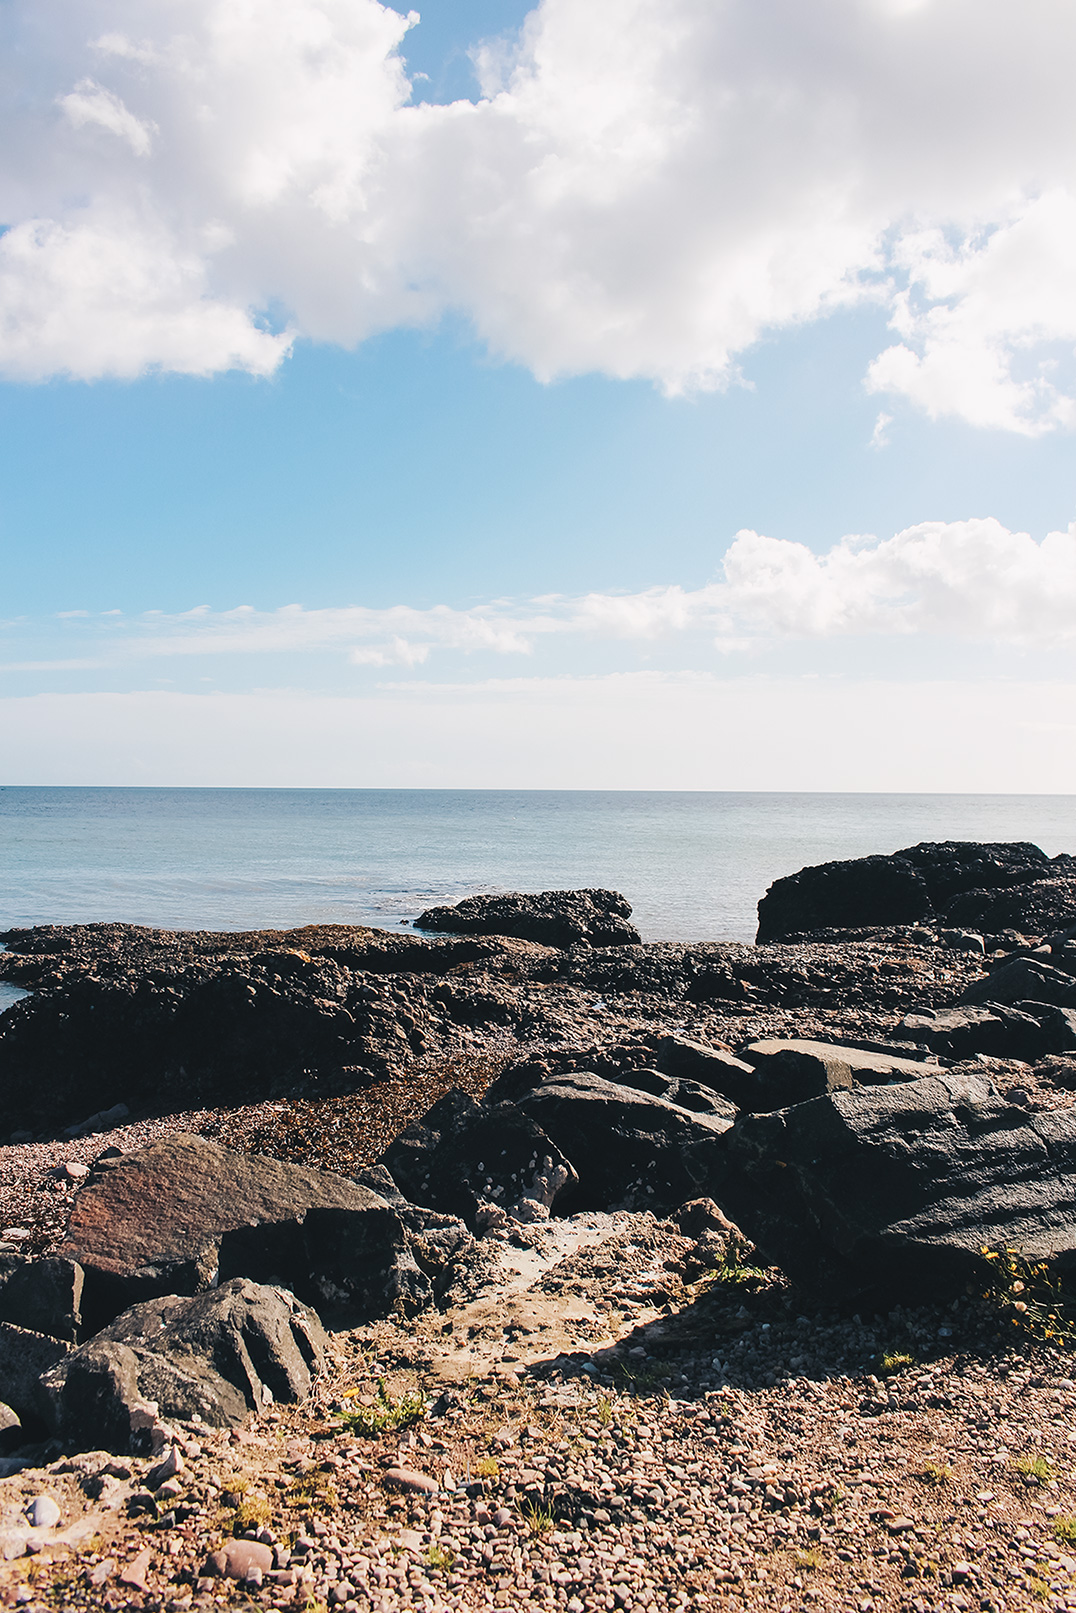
(645, 188)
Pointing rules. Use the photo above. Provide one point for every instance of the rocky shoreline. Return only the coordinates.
(665, 1275)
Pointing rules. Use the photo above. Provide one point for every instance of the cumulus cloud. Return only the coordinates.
(972, 581)
(643, 188)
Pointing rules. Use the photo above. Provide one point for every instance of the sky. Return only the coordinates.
(650, 394)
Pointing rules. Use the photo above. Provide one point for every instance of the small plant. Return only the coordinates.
(605, 1410)
(935, 1473)
(440, 1557)
(387, 1414)
(1030, 1297)
(487, 1467)
(253, 1512)
(809, 1558)
(1065, 1531)
(1036, 1469)
(314, 1491)
(737, 1271)
(894, 1361)
(539, 1520)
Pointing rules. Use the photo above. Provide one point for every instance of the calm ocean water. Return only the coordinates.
(693, 865)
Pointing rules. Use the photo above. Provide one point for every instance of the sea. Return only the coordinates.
(693, 864)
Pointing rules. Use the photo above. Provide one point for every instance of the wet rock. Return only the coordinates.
(881, 1195)
(597, 918)
(219, 1356)
(462, 1157)
(44, 1296)
(844, 895)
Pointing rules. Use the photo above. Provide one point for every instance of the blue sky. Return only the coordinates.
(430, 461)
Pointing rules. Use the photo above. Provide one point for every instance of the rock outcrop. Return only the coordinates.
(1009, 884)
(889, 1194)
(596, 918)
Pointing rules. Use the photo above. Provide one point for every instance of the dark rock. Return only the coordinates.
(461, 1157)
(24, 1356)
(1033, 908)
(785, 1072)
(562, 919)
(199, 1193)
(219, 1356)
(629, 1149)
(44, 1296)
(1023, 980)
(993, 1029)
(916, 883)
(843, 895)
(712, 1067)
(883, 1195)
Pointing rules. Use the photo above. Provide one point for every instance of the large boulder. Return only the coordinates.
(630, 1149)
(218, 1214)
(1035, 908)
(920, 882)
(882, 1195)
(596, 918)
(219, 1356)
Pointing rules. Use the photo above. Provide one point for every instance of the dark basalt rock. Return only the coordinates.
(24, 1356)
(44, 1296)
(462, 1157)
(1023, 980)
(219, 1356)
(1036, 908)
(921, 882)
(596, 918)
(1029, 1031)
(885, 1195)
(630, 1149)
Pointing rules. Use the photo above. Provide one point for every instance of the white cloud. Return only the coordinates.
(961, 580)
(646, 187)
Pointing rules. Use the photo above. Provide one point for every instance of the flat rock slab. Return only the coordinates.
(791, 1071)
(889, 1194)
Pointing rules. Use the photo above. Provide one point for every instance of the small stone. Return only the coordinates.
(237, 1559)
(900, 1526)
(961, 1571)
(43, 1512)
(169, 1490)
(101, 1571)
(405, 1478)
(15, 1234)
(165, 1470)
(134, 1574)
(502, 1517)
(75, 1170)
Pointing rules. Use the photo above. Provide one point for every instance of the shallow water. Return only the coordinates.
(693, 864)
